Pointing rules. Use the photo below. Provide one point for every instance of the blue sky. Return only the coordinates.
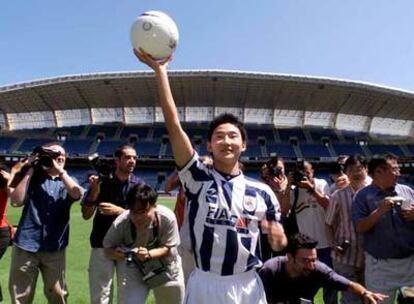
(361, 40)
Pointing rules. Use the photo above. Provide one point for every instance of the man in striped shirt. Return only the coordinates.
(225, 207)
(346, 244)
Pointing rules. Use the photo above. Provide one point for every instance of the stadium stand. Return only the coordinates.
(77, 147)
(70, 131)
(319, 134)
(382, 149)
(282, 150)
(293, 116)
(314, 151)
(287, 134)
(348, 149)
(141, 132)
(6, 143)
(108, 130)
(107, 147)
(29, 144)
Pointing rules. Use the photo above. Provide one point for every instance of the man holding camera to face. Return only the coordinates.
(106, 199)
(384, 213)
(47, 192)
(272, 173)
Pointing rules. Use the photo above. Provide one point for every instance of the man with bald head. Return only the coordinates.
(46, 192)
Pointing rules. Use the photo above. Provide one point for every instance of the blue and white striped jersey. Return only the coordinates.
(224, 215)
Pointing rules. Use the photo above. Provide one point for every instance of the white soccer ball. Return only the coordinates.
(156, 33)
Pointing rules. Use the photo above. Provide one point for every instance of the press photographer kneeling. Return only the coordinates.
(144, 241)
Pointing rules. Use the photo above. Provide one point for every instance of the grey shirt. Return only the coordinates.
(120, 235)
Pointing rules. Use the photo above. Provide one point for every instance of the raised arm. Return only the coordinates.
(18, 194)
(180, 143)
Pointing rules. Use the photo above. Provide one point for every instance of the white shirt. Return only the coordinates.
(310, 215)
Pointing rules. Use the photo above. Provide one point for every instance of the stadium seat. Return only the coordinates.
(382, 149)
(282, 150)
(348, 149)
(107, 147)
(314, 151)
(77, 147)
(142, 132)
(6, 143)
(108, 130)
(286, 134)
(148, 149)
(29, 144)
(318, 134)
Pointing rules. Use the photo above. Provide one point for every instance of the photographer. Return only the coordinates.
(346, 244)
(47, 193)
(144, 242)
(297, 277)
(384, 213)
(272, 173)
(106, 199)
(308, 198)
(339, 179)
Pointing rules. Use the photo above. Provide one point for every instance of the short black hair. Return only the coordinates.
(141, 196)
(223, 119)
(300, 241)
(353, 160)
(120, 150)
(380, 161)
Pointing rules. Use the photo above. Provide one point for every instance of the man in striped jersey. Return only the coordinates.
(225, 207)
(346, 244)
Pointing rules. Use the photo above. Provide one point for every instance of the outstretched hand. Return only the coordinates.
(150, 61)
(374, 298)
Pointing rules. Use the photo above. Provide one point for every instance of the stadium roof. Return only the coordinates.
(282, 100)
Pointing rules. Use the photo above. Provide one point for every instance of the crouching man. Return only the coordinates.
(144, 241)
(297, 277)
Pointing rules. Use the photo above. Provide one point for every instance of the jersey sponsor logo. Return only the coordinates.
(223, 217)
(249, 204)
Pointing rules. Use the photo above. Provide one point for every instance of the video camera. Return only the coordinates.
(44, 157)
(104, 167)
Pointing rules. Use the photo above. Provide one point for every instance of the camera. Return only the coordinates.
(397, 200)
(274, 170)
(104, 167)
(400, 201)
(129, 257)
(343, 248)
(154, 272)
(299, 173)
(44, 157)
